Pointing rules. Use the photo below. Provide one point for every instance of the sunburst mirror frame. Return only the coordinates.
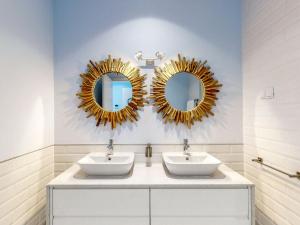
(95, 70)
(210, 88)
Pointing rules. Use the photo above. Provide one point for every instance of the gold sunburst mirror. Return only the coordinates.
(184, 91)
(112, 91)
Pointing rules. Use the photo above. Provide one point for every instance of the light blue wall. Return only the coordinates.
(26, 76)
(92, 29)
(117, 88)
(177, 91)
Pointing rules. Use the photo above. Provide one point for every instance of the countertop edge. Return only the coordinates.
(232, 180)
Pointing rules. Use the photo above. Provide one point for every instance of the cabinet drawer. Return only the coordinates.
(100, 202)
(101, 220)
(199, 221)
(200, 202)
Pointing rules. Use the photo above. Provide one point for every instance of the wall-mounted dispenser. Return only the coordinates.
(268, 93)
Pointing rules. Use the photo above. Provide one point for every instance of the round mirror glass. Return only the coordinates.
(184, 91)
(113, 91)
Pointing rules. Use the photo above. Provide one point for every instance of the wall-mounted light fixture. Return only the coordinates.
(149, 62)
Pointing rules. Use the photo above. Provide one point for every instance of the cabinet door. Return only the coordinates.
(200, 206)
(101, 202)
(101, 221)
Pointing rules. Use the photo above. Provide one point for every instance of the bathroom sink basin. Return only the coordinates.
(197, 164)
(114, 165)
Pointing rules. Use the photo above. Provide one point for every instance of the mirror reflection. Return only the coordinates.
(113, 91)
(184, 91)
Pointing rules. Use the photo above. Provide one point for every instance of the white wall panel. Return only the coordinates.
(271, 54)
(26, 76)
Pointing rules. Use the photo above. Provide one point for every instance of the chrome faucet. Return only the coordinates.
(186, 147)
(110, 149)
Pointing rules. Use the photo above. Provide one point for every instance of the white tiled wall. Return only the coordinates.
(22, 187)
(66, 155)
(23, 179)
(271, 56)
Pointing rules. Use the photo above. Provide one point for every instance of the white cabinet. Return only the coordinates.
(200, 206)
(150, 206)
(99, 206)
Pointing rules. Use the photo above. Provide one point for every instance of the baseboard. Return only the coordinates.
(262, 219)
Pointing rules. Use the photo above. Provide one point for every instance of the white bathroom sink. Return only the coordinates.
(99, 164)
(197, 164)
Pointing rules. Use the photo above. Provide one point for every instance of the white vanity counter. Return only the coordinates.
(150, 196)
(150, 177)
